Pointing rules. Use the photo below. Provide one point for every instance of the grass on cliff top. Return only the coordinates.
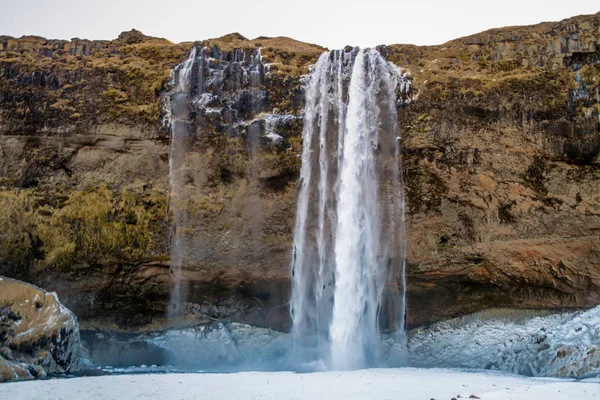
(496, 54)
(285, 55)
(153, 52)
(139, 72)
(122, 80)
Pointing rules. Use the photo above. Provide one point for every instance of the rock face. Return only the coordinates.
(501, 167)
(98, 233)
(38, 335)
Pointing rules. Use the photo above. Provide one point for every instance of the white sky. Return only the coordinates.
(333, 24)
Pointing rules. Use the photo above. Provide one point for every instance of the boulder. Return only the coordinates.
(38, 335)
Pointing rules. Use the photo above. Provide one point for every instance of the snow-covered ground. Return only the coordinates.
(381, 384)
(513, 341)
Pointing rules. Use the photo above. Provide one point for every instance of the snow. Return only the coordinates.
(272, 121)
(275, 138)
(406, 384)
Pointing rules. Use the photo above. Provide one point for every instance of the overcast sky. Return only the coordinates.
(333, 24)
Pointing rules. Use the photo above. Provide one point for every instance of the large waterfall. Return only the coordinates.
(349, 243)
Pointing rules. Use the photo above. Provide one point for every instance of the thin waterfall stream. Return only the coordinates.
(189, 79)
(210, 86)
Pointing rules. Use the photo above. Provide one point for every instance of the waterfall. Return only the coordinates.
(211, 91)
(349, 242)
(189, 85)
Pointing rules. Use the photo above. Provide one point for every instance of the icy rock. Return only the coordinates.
(223, 346)
(562, 345)
(121, 350)
(277, 125)
(38, 335)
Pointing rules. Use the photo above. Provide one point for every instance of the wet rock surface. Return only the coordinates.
(38, 335)
(500, 165)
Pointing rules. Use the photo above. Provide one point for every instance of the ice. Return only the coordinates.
(554, 345)
(273, 122)
(513, 341)
(225, 346)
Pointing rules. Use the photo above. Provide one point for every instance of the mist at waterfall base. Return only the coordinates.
(530, 343)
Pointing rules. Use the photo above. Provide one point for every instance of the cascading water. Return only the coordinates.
(211, 91)
(349, 242)
(188, 85)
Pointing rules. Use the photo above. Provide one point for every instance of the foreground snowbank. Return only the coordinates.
(406, 384)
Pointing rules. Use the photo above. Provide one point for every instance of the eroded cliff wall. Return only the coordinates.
(501, 169)
(501, 166)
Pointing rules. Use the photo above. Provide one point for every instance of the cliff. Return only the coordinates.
(501, 169)
(501, 162)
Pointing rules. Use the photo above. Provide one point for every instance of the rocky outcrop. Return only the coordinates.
(38, 335)
(501, 166)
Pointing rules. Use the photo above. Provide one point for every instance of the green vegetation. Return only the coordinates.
(81, 228)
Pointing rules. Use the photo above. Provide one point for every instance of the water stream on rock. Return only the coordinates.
(188, 85)
(349, 242)
(212, 93)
